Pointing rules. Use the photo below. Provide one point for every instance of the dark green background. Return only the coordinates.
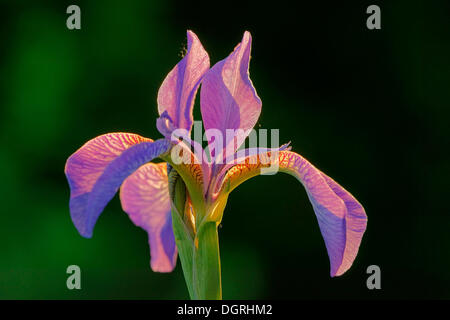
(369, 108)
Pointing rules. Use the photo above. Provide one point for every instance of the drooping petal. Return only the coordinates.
(356, 223)
(342, 219)
(85, 166)
(228, 99)
(177, 93)
(145, 197)
(96, 171)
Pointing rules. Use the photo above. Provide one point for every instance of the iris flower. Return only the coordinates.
(180, 203)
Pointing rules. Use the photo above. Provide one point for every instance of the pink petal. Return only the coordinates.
(88, 163)
(356, 223)
(228, 99)
(145, 197)
(342, 220)
(177, 93)
(96, 170)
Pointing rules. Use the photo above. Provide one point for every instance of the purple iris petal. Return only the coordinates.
(85, 166)
(229, 100)
(96, 171)
(342, 220)
(176, 94)
(356, 222)
(145, 197)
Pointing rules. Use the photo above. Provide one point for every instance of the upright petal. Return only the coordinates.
(96, 171)
(228, 99)
(177, 93)
(145, 197)
(342, 219)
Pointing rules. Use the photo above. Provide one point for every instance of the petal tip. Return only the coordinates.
(337, 273)
(87, 235)
(247, 37)
(162, 268)
(191, 36)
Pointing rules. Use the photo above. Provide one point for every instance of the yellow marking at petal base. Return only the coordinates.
(288, 162)
(189, 214)
(244, 171)
(189, 163)
(216, 212)
(190, 171)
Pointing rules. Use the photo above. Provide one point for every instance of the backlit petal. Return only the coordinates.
(145, 197)
(356, 223)
(228, 99)
(96, 171)
(342, 219)
(177, 93)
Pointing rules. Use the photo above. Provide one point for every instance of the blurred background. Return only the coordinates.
(370, 108)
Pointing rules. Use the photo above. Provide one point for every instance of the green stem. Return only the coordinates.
(198, 247)
(183, 236)
(206, 263)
